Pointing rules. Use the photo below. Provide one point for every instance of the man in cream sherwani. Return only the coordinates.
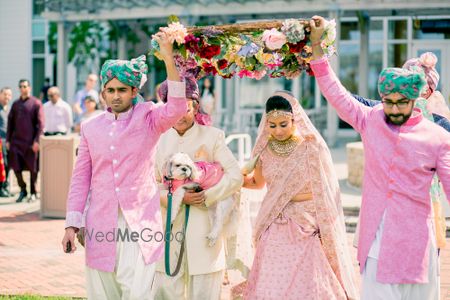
(202, 270)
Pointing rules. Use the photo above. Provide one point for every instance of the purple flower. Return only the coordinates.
(211, 32)
(186, 66)
(248, 50)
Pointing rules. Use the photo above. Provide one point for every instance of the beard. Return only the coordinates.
(397, 119)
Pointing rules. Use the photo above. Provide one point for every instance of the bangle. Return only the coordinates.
(316, 43)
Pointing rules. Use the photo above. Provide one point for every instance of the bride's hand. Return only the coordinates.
(248, 180)
(302, 197)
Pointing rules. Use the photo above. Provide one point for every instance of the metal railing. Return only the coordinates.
(244, 146)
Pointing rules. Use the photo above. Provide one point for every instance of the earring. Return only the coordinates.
(294, 130)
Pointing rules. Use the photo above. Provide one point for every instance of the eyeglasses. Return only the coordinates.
(23, 86)
(399, 104)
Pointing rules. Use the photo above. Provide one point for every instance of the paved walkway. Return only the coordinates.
(32, 261)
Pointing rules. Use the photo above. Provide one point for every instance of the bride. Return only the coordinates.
(301, 245)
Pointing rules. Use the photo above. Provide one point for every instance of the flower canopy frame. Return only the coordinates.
(273, 48)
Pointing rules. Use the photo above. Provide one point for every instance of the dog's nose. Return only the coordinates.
(184, 169)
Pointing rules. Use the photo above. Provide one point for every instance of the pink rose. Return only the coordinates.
(274, 39)
(245, 73)
(258, 74)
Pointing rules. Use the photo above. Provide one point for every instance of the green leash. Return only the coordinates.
(168, 233)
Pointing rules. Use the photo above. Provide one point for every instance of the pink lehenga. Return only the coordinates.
(301, 247)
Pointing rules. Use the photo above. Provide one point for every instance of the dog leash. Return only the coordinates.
(168, 234)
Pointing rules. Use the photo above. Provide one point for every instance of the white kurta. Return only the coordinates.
(373, 290)
(132, 279)
(58, 117)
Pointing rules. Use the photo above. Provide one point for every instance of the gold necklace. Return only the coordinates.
(283, 148)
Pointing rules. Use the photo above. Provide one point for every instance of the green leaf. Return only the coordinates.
(183, 51)
(214, 41)
(173, 19)
(257, 33)
(250, 61)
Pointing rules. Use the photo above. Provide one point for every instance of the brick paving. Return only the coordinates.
(32, 261)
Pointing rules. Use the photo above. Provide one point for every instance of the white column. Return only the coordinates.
(332, 118)
(218, 90)
(62, 58)
(296, 87)
(122, 47)
(364, 25)
(235, 117)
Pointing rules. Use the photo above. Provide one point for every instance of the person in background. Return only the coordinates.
(25, 126)
(58, 114)
(91, 111)
(44, 90)
(5, 98)
(207, 99)
(89, 89)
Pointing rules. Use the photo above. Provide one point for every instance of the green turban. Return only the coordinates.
(409, 83)
(130, 72)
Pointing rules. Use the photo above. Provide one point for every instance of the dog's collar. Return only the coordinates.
(167, 178)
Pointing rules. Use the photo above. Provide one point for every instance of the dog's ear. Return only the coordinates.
(194, 171)
(167, 167)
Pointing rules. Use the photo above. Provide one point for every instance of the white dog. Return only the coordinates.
(198, 176)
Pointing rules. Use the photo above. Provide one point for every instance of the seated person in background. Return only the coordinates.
(91, 111)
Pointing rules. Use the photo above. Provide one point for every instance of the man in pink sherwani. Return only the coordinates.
(115, 166)
(403, 151)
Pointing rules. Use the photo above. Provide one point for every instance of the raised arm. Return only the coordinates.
(347, 107)
(164, 117)
(366, 101)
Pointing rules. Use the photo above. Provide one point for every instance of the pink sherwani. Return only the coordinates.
(400, 162)
(116, 165)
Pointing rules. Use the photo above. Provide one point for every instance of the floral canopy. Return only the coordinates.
(253, 50)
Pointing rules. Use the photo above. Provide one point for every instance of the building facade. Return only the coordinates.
(371, 35)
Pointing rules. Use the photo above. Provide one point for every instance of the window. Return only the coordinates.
(398, 30)
(438, 29)
(376, 30)
(397, 55)
(307, 91)
(38, 75)
(38, 7)
(350, 31)
(375, 67)
(38, 47)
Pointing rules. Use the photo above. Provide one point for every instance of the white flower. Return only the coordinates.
(330, 32)
(176, 31)
(294, 30)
